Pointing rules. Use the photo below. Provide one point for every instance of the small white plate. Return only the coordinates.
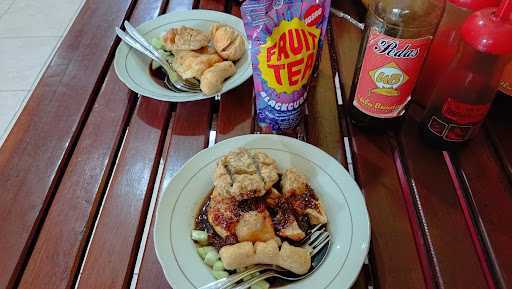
(343, 201)
(132, 67)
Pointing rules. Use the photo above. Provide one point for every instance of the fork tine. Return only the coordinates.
(321, 245)
(188, 85)
(307, 239)
(312, 237)
(316, 228)
(319, 240)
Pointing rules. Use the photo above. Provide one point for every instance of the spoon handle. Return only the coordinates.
(135, 44)
(132, 31)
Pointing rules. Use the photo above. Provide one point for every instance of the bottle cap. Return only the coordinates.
(474, 5)
(489, 30)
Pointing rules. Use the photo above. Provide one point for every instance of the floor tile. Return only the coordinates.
(22, 59)
(4, 5)
(11, 103)
(38, 17)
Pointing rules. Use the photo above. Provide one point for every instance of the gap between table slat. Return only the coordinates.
(487, 193)
(114, 245)
(189, 135)
(61, 244)
(375, 171)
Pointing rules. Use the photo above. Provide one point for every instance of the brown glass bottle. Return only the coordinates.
(396, 40)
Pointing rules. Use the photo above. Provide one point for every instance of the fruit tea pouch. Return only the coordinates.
(286, 41)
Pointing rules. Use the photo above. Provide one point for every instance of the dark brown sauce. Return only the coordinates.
(203, 224)
(254, 204)
(158, 75)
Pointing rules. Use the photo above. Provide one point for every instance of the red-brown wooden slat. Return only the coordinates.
(114, 245)
(61, 243)
(34, 156)
(491, 209)
(323, 121)
(186, 139)
(447, 229)
(236, 109)
(56, 256)
(491, 191)
(500, 124)
(188, 135)
(219, 5)
(395, 259)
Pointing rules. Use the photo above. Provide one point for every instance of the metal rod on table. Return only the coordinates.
(347, 17)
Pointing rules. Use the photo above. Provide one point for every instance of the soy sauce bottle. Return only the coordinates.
(396, 40)
(463, 97)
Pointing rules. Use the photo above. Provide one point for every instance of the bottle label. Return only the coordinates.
(464, 113)
(388, 73)
(506, 80)
(449, 131)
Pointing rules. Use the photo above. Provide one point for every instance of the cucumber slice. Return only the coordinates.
(203, 251)
(262, 284)
(220, 274)
(157, 43)
(199, 236)
(211, 258)
(218, 266)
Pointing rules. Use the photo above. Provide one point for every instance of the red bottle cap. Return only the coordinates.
(474, 5)
(490, 30)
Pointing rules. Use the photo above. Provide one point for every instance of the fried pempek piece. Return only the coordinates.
(236, 206)
(228, 42)
(302, 197)
(213, 78)
(284, 221)
(185, 38)
(245, 254)
(189, 64)
(239, 174)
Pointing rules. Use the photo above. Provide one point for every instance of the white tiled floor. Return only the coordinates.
(30, 31)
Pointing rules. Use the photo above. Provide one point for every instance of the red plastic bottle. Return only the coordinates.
(464, 94)
(445, 44)
(505, 87)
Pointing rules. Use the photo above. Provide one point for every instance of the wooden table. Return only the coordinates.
(81, 170)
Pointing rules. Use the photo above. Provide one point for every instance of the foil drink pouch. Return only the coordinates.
(286, 42)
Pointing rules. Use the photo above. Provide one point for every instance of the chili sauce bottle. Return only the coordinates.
(463, 96)
(397, 37)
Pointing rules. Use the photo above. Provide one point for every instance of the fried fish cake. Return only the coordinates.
(245, 174)
(185, 38)
(191, 64)
(228, 42)
(302, 197)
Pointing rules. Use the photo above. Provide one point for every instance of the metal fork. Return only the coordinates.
(316, 240)
(173, 80)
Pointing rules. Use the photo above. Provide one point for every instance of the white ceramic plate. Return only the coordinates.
(132, 67)
(343, 201)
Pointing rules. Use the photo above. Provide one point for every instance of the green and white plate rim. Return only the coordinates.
(132, 67)
(343, 200)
